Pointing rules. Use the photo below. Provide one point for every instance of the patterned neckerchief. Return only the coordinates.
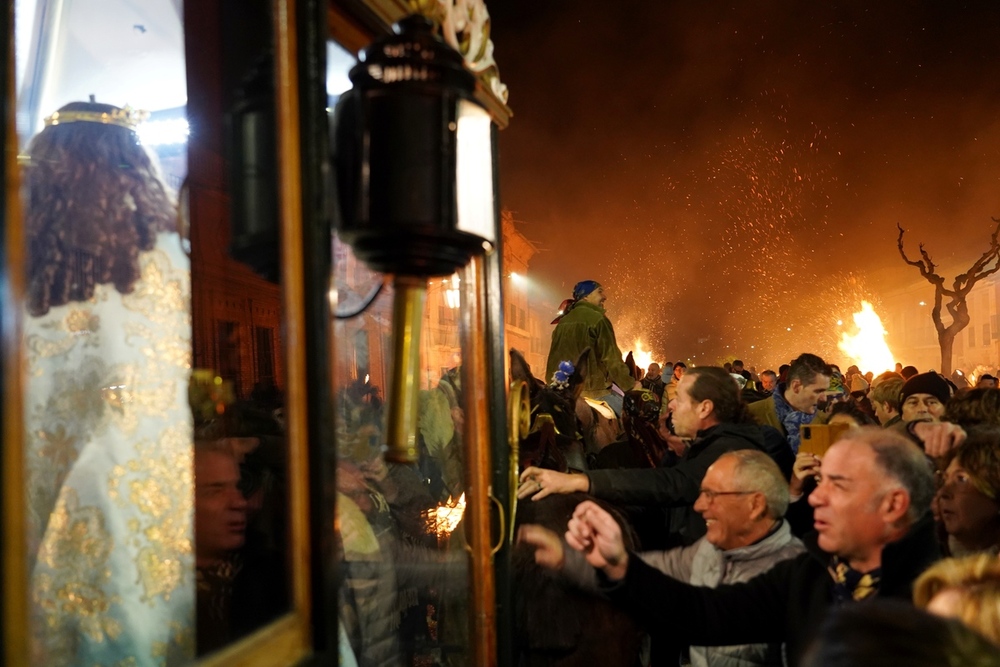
(790, 418)
(849, 584)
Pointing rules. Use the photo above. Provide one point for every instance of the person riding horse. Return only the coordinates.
(582, 323)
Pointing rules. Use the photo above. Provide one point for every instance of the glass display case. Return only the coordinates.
(197, 368)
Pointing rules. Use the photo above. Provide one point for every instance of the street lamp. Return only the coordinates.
(413, 154)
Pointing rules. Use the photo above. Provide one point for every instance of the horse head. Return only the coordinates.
(554, 440)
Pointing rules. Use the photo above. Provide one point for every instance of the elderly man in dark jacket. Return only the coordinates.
(705, 411)
(743, 498)
(874, 536)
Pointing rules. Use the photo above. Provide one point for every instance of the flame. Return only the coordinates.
(643, 358)
(444, 519)
(867, 348)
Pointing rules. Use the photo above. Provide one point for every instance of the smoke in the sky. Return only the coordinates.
(734, 175)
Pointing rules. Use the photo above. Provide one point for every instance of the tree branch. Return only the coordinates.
(925, 264)
(978, 270)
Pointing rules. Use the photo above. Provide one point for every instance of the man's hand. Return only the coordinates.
(594, 533)
(677, 444)
(939, 437)
(539, 483)
(806, 465)
(549, 552)
(637, 385)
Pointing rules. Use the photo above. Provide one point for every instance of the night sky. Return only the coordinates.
(732, 171)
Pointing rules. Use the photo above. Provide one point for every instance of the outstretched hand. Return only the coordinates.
(939, 437)
(549, 552)
(594, 533)
(538, 483)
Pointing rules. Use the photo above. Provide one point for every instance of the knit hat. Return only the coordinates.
(583, 288)
(741, 381)
(908, 372)
(926, 383)
(858, 383)
(836, 383)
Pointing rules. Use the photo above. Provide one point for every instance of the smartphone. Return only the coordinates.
(816, 438)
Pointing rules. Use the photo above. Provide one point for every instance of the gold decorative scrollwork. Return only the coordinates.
(465, 26)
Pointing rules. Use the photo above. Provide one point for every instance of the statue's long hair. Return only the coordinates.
(94, 200)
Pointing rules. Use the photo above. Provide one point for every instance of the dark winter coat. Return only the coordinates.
(677, 487)
(786, 604)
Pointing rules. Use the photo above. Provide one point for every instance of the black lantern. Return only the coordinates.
(414, 174)
(397, 147)
(252, 147)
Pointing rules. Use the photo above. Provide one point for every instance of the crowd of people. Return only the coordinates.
(809, 517)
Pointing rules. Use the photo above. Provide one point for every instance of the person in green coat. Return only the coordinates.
(583, 324)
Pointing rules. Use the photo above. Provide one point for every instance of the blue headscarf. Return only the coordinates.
(580, 291)
(583, 288)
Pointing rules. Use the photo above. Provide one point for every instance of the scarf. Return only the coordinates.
(849, 584)
(790, 418)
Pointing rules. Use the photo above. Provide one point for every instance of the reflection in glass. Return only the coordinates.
(238, 383)
(239, 501)
(404, 588)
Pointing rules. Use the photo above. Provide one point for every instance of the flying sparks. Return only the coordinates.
(867, 348)
(731, 270)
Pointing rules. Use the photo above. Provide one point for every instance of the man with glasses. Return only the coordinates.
(743, 499)
(874, 535)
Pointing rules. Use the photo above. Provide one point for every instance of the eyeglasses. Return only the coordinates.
(712, 495)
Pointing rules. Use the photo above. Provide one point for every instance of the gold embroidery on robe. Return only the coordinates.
(110, 473)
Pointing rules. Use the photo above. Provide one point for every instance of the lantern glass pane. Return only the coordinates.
(403, 591)
(476, 213)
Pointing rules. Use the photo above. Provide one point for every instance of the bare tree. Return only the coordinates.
(961, 286)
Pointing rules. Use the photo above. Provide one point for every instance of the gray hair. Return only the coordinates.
(903, 462)
(756, 471)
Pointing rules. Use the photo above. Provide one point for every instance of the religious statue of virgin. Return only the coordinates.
(108, 441)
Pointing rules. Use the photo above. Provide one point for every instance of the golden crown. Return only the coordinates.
(126, 117)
